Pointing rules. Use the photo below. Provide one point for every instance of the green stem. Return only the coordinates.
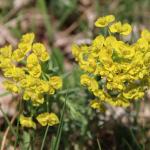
(59, 131)
(68, 91)
(99, 146)
(17, 137)
(43, 142)
(46, 131)
(32, 136)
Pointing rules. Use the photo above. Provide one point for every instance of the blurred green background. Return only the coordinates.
(58, 24)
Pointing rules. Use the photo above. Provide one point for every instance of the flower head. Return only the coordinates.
(24, 72)
(49, 119)
(115, 72)
(27, 122)
(104, 21)
(124, 29)
(27, 80)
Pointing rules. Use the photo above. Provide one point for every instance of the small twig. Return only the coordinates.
(71, 28)
(15, 11)
(7, 131)
(7, 35)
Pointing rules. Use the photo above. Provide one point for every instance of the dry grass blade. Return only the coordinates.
(5, 34)
(18, 5)
(7, 131)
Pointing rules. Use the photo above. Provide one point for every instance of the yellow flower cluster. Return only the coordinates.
(116, 72)
(44, 119)
(47, 119)
(27, 122)
(27, 79)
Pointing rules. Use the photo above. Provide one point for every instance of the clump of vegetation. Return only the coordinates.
(46, 95)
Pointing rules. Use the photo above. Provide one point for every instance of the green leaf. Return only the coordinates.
(53, 141)
(26, 141)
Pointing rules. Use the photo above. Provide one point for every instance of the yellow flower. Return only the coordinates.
(35, 71)
(11, 86)
(124, 50)
(96, 104)
(6, 51)
(53, 119)
(51, 90)
(28, 82)
(27, 38)
(55, 82)
(90, 82)
(98, 42)
(104, 21)
(133, 94)
(89, 65)
(33, 65)
(120, 102)
(40, 51)
(110, 42)
(85, 80)
(27, 122)
(146, 35)
(32, 60)
(142, 44)
(42, 86)
(43, 119)
(15, 72)
(5, 63)
(124, 29)
(105, 55)
(26, 95)
(49, 119)
(24, 47)
(147, 58)
(115, 27)
(37, 98)
(93, 85)
(32, 94)
(18, 55)
(45, 56)
(38, 48)
(75, 51)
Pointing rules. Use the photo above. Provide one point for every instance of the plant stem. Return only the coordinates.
(43, 142)
(99, 146)
(59, 131)
(20, 107)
